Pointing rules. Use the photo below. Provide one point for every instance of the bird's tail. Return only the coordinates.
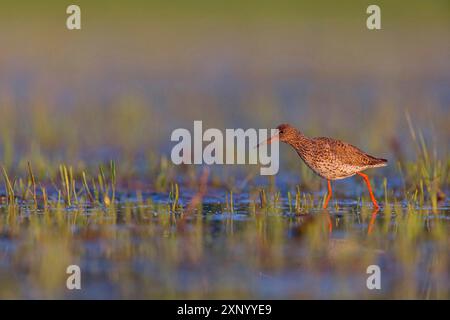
(378, 162)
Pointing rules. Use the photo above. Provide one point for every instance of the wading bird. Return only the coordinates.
(329, 158)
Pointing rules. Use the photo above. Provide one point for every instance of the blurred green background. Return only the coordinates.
(139, 69)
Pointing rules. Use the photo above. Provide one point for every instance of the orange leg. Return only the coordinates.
(366, 178)
(325, 205)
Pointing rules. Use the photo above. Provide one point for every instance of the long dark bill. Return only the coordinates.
(269, 141)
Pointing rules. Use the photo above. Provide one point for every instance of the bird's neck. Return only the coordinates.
(301, 143)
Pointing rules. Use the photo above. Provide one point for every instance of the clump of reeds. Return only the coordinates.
(426, 173)
(32, 181)
(104, 187)
(67, 184)
(174, 197)
(9, 187)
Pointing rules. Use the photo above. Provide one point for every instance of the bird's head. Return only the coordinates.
(286, 133)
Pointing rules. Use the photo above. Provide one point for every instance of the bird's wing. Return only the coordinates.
(346, 153)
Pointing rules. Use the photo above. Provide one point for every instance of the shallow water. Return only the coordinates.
(143, 249)
(118, 90)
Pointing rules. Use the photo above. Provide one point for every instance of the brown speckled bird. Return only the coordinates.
(329, 158)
